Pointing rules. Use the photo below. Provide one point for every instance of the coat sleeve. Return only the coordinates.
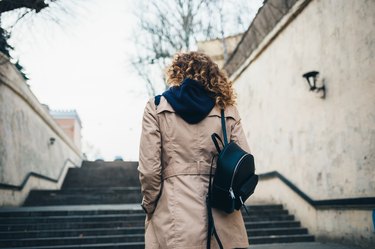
(150, 159)
(238, 134)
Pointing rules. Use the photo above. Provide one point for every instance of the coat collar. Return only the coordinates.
(230, 111)
(164, 106)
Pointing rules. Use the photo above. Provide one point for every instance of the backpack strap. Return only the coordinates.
(223, 127)
(211, 224)
(211, 230)
(215, 137)
(157, 100)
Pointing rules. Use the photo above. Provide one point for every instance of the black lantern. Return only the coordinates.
(312, 78)
(52, 140)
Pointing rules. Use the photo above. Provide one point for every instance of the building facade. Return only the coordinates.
(71, 124)
(215, 48)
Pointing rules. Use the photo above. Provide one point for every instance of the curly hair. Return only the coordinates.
(200, 67)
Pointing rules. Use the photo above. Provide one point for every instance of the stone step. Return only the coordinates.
(281, 239)
(125, 224)
(67, 210)
(101, 239)
(125, 245)
(114, 217)
(84, 240)
(280, 217)
(84, 196)
(272, 224)
(72, 218)
(73, 225)
(34, 211)
(11, 235)
(102, 175)
(276, 231)
(111, 164)
(63, 233)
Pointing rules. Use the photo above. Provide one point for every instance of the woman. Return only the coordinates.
(176, 151)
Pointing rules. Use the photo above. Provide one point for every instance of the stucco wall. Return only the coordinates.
(25, 132)
(326, 147)
(344, 225)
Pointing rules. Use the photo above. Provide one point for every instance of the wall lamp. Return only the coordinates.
(312, 79)
(52, 140)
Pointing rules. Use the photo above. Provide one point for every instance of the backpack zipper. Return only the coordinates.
(234, 173)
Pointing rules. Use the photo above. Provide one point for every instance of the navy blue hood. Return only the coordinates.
(191, 101)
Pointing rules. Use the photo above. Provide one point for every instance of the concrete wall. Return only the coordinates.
(25, 132)
(326, 147)
(345, 225)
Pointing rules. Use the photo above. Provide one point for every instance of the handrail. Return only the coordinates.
(31, 173)
(361, 202)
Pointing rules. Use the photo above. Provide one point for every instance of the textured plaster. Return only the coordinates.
(25, 132)
(324, 146)
(350, 226)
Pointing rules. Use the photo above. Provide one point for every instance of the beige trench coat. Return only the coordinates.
(174, 166)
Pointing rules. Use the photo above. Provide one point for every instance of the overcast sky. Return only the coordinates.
(83, 64)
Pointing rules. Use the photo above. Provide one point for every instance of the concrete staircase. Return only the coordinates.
(49, 220)
(94, 183)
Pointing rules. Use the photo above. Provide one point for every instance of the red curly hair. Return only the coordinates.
(200, 67)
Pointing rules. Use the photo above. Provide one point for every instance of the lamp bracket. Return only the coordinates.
(312, 79)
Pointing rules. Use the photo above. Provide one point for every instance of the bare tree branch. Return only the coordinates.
(169, 26)
(29, 8)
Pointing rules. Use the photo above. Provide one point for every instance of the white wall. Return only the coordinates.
(344, 225)
(25, 131)
(326, 147)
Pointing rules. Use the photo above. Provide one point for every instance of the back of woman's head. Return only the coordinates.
(198, 66)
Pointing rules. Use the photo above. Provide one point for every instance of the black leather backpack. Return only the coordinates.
(234, 180)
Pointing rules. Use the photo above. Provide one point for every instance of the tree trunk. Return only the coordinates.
(8, 5)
